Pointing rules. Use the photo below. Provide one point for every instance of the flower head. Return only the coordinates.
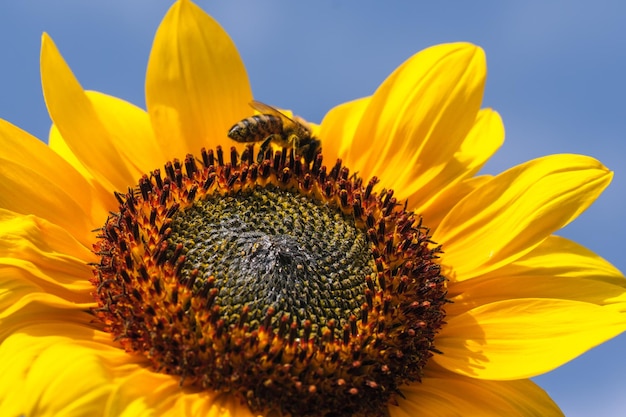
(358, 267)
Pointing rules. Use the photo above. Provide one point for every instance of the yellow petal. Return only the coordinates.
(58, 145)
(448, 395)
(437, 208)
(487, 342)
(26, 191)
(480, 291)
(208, 405)
(37, 308)
(22, 279)
(36, 181)
(36, 255)
(130, 132)
(557, 268)
(79, 123)
(103, 198)
(51, 376)
(196, 83)
(558, 256)
(482, 141)
(140, 390)
(337, 130)
(418, 118)
(41, 364)
(13, 286)
(19, 232)
(514, 212)
(37, 261)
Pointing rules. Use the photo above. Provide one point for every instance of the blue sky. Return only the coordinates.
(556, 74)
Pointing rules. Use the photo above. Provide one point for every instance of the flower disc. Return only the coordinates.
(295, 288)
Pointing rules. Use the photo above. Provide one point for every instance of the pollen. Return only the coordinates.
(290, 285)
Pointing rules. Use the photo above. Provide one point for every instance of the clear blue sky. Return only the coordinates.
(556, 74)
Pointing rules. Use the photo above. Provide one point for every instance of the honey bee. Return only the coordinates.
(274, 126)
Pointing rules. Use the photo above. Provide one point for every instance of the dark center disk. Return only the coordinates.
(272, 248)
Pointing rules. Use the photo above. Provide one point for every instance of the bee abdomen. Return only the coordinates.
(256, 128)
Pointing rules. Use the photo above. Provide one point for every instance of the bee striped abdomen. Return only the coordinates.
(256, 128)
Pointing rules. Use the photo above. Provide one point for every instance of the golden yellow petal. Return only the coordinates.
(447, 394)
(50, 376)
(557, 268)
(24, 282)
(37, 181)
(79, 123)
(482, 141)
(103, 200)
(418, 118)
(488, 341)
(140, 390)
(13, 286)
(513, 213)
(196, 83)
(337, 130)
(50, 242)
(58, 145)
(130, 133)
(28, 277)
(208, 405)
(38, 307)
(39, 257)
(45, 358)
(40, 276)
(558, 256)
(23, 190)
(480, 291)
(436, 209)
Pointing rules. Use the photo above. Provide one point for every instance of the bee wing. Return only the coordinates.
(267, 109)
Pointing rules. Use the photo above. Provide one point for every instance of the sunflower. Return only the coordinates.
(150, 265)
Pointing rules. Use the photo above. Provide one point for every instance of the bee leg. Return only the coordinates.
(263, 148)
(312, 149)
(306, 153)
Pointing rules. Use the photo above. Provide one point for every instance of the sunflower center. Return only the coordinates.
(270, 248)
(294, 287)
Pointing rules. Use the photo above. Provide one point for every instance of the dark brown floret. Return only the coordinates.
(289, 286)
